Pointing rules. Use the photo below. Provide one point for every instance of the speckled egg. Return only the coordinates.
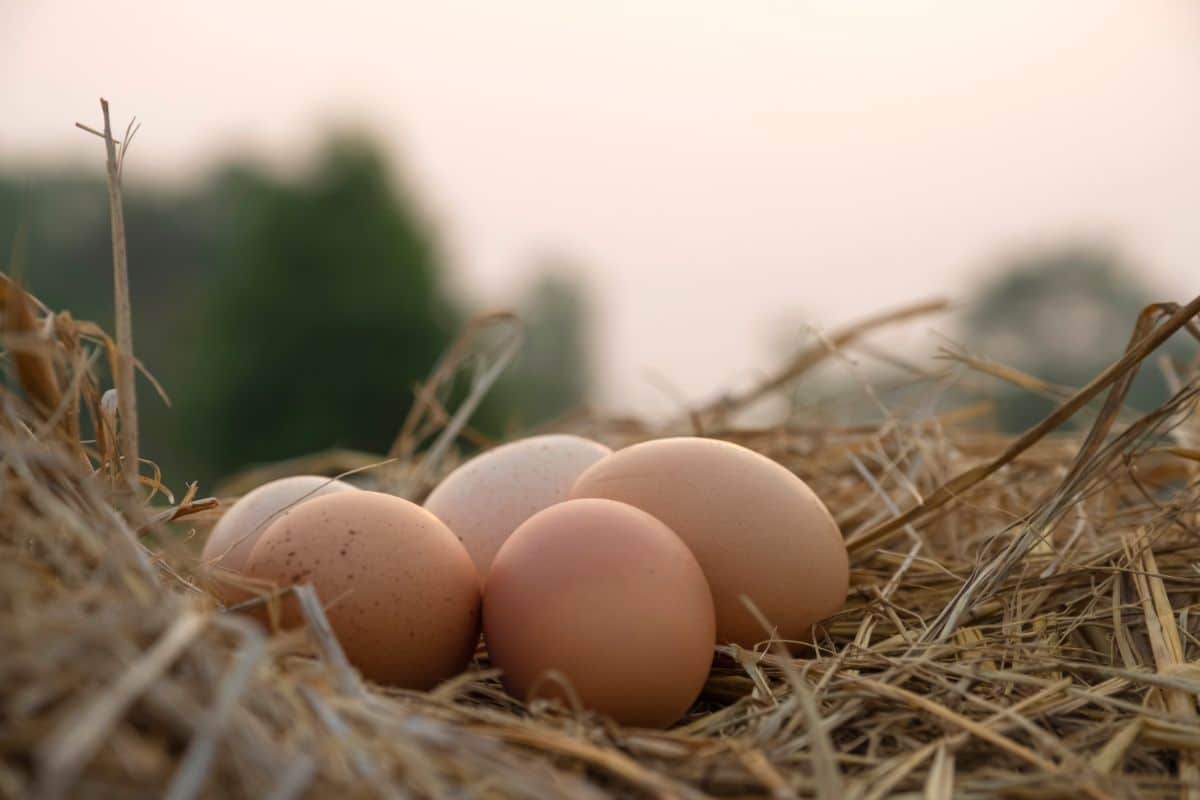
(485, 499)
(607, 597)
(400, 591)
(756, 529)
(239, 528)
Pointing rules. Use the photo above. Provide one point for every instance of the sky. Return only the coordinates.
(723, 173)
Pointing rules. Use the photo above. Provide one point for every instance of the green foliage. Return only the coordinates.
(284, 315)
(1062, 314)
(551, 373)
(56, 226)
(326, 314)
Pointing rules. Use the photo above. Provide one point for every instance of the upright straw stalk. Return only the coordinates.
(123, 367)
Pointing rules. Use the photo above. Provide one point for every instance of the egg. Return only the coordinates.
(608, 597)
(485, 499)
(401, 593)
(233, 537)
(756, 529)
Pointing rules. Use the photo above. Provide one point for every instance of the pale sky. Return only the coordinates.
(719, 167)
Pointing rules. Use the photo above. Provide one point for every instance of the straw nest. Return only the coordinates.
(1022, 620)
(1023, 616)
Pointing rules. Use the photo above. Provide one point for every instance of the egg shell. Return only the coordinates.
(608, 596)
(756, 529)
(485, 499)
(401, 593)
(233, 537)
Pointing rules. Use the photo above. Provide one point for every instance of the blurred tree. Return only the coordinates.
(283, 314)
(328, 310)
(1063, 314)
(550, 376)
(57, 223)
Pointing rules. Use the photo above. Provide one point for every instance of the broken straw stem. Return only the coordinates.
(124, 377)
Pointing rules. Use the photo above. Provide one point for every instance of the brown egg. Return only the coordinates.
(485, 499)
(400, 591)
(234, 535)
(608, 597)
(756, 529)
(236, 532)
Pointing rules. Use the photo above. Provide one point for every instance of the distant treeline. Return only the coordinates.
(283, 315)
(1062, 314)
(286, 315)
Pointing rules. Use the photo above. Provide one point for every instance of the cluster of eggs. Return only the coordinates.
(601, 577)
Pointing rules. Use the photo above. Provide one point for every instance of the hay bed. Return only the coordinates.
(1022, 620)
(1031, 630)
